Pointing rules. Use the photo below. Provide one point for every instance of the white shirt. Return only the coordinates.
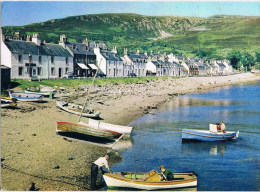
(101, 161)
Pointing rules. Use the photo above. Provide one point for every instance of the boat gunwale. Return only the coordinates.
(122, 178)
(221, 135)
(82, 125)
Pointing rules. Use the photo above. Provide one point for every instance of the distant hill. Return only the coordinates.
(164, 33)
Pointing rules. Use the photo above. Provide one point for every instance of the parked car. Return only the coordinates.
(131, 75)
(101, 75)
(69, 75)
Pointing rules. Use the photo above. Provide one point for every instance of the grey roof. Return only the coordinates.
(136, 56)
(77, 48)
(110, 56)
(25, 47)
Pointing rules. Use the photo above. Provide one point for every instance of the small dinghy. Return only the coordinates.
(21, 96)
(149, 181)
(213, 134)
(8, 102)
(76, 109)
(46, 93)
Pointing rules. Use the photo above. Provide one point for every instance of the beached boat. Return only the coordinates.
(149, 181)
(21, 96)
(7, 102)
(83, 128)
(76, 109)
(42, 92)
(208, 135)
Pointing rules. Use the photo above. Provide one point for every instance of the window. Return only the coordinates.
(40, 59)
(66, 70)
(39, 71)
(20, 58)
(52, 71)
(67, 60)
(74, 46)
(20, 71)
(52, 59)
(109, 71)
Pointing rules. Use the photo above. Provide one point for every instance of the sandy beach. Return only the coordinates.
(33, 152)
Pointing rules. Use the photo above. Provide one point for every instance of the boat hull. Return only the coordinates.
(45, 93)
(20, 96)
(113, 181)
(76, 111)
(87, 130)
(200, 135)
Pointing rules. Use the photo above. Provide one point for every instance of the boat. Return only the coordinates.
(76, 109)
(83, 128)
(149, 181)
(7, 102)
(126, 130)
(42, 92)
(21, 96)
(208, 135)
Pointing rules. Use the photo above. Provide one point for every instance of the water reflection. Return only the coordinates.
(212, 148)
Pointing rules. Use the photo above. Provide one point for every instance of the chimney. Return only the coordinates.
(17, 34)
(3, 37)
(137, 52)
(114, 50)
(28, 38)
(85, 41)
(63, 38)
(36, 40)
(125, 51)
(145, 53)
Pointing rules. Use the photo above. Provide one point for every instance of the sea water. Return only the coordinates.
(221, 166)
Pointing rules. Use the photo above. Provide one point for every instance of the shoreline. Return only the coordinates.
(32, 152)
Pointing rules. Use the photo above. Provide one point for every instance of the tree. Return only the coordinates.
(234, 56)
(257, 55)
(247, 60)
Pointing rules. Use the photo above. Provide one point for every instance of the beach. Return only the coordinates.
(33, 152)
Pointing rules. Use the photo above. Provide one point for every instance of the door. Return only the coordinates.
(60, 72)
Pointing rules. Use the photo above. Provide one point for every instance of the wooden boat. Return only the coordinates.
(126, 130)
(41, 92)
(149, 181)
(76, 109)
(7, 102)
(21, 96)
(208, 135)
(85, 129)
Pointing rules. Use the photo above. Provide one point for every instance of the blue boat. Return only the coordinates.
(208, 135)
(21, 96)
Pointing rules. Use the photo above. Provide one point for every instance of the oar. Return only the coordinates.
(116, 141)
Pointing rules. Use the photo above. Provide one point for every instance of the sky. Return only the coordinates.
(17, 13)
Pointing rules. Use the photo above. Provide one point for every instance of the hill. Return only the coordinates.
(165, 33)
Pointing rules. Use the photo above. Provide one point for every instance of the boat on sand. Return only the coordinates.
(76, 109)
(95, 128)
(149, 181)
(21, 96)
(8, 102)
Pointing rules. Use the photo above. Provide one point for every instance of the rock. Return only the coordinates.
(57, 167)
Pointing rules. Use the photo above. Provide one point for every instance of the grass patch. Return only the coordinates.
(77, 83)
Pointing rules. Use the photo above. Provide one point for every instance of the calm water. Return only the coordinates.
(221, 166)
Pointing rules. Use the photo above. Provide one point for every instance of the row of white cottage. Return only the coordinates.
(30, 57)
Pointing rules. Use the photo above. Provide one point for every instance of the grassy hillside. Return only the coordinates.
(184, 34)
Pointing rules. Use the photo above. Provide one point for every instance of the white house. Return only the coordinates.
(34, 59)
(135, 63)
(109, 62)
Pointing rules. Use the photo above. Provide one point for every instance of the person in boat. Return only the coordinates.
(222, 127)
(167, 175)
(98, 164)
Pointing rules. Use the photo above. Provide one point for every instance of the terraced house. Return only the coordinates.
(31, 58)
